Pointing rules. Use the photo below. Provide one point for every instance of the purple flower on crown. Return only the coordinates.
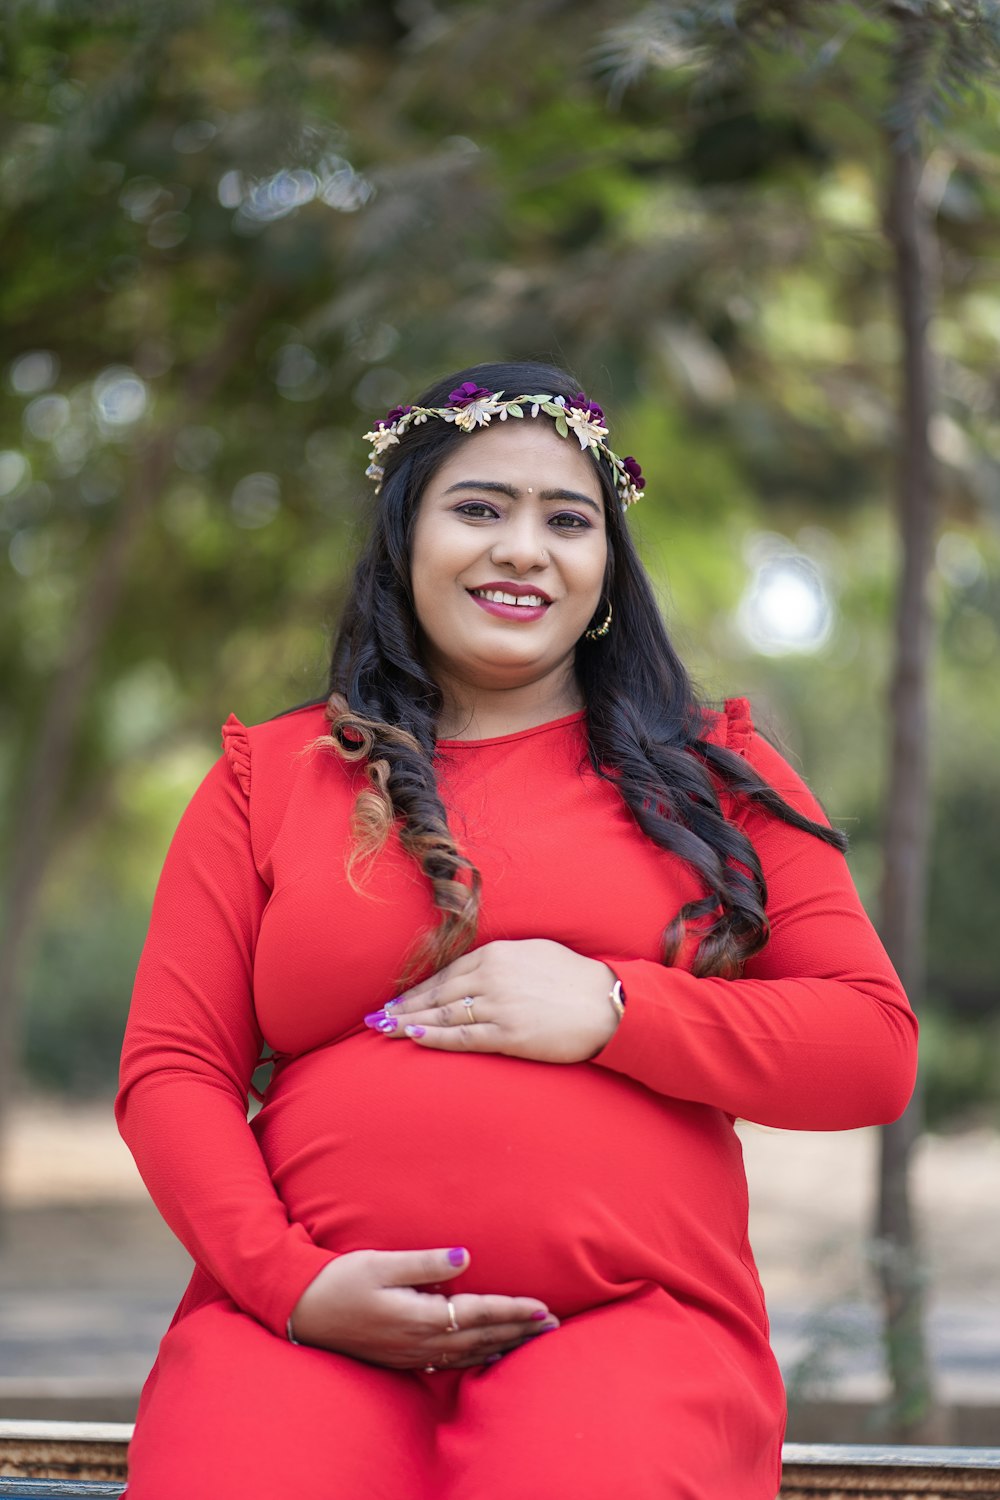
(632, 469)
(393, 416)
(468, 392)
(585, 419)
(590, 409)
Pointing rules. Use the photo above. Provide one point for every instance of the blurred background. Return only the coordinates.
(233, 235)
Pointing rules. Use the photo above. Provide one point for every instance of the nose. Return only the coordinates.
(522, 542)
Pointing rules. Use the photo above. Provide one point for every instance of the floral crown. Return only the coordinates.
(470, 406)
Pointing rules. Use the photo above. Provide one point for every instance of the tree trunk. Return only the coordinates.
(915, 1415)
(40, 796)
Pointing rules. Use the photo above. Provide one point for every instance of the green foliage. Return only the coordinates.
(921, 58)
(960, 1069)
(78, 995)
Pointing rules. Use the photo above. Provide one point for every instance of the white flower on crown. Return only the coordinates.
(476, 414)
(381, 439)
(586, 428)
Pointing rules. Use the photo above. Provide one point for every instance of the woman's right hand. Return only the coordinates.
(366, 1303)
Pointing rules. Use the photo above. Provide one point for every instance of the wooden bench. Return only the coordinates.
(838, 1471)
(84, 1460)
(45, 1459)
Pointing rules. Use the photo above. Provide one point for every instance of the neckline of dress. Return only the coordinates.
(517, 734)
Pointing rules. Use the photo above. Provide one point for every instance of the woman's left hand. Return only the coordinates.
(531, 998)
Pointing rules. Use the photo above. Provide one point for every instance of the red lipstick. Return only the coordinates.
(523, 613)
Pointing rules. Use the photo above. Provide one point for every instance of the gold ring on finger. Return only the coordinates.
(468, 1002)
(453, 1326)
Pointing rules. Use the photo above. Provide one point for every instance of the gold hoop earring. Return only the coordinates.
(600, 630)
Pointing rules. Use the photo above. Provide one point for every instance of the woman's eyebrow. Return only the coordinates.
(498, 487)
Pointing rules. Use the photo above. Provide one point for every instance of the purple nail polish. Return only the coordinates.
(386, 1024)
(491, 1359)
(548, 1328)
(398, 1001)
(539, 1316)
(415, 1030)
(457, 1256)
(374, 1018)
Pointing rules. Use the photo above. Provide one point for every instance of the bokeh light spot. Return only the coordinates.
(346, 190)
(786, 607)
(46, 417)
(279, 195)
(142, 198)
(256, 500)
(168, 230)
(28, 552)
(196, 447)
(120, 397)
(193, 136)
(14, 470)
(32, 372)
(230, 189)
(298, 374)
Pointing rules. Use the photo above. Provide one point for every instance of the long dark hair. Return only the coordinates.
(646, 731)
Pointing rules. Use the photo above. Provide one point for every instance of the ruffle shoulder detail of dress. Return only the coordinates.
(731, 728)
(738, 725)
(236, 748)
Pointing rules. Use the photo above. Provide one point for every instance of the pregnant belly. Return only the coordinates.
(573, 1184)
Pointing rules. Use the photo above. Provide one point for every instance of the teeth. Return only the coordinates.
(496, 597)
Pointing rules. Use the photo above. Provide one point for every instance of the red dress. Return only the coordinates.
(613, 1189)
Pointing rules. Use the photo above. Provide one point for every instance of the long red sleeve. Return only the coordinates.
(816, 1034)
(191, 1046)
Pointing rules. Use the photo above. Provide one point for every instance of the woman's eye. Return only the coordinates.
(567, 521)
(477, 509)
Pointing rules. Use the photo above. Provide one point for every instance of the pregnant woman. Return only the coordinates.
(526, 929)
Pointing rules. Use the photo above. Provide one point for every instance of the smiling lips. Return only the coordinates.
(512, 601)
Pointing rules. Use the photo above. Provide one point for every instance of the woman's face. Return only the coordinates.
(518, 510)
